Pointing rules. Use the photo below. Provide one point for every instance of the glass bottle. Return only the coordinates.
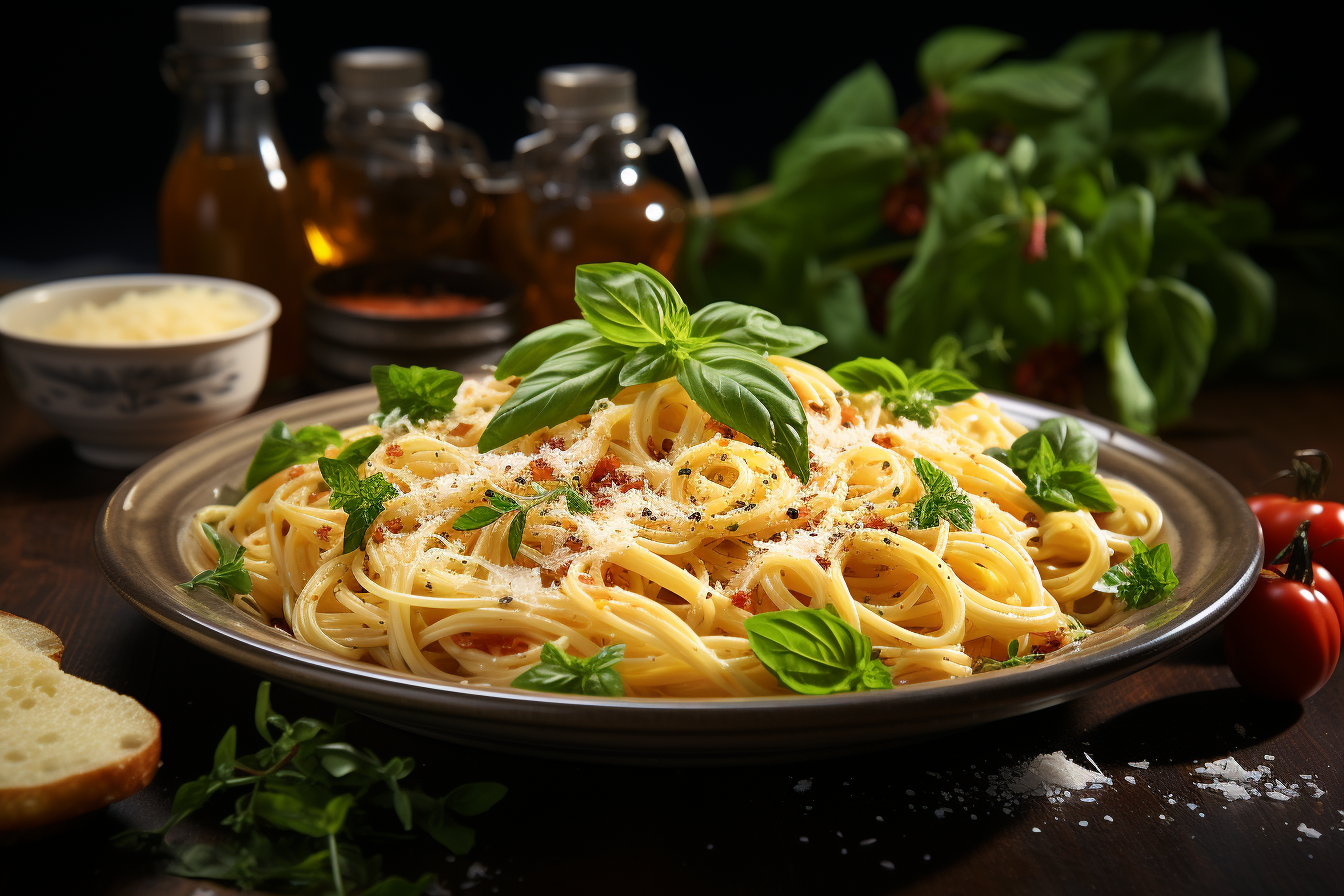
(228, 205)
(583, 195)
(392, 185)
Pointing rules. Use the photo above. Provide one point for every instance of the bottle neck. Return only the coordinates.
(231, 120)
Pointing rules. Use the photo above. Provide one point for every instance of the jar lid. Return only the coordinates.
(587, 91)
(380, 68)
(212, 27)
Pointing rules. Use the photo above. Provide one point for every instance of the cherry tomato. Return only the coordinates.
(1328, 585)
(1283, 641)
(1280, 515)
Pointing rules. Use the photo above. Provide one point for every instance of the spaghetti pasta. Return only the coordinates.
(694, 529)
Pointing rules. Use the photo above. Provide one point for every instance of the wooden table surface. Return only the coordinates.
(913, 819)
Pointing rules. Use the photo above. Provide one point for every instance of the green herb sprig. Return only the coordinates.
(228, 577)
(500, 504)
(1057, 462)
(362, 499)
(1143, 579)
(415, 393)
(912, 397)
(280, 448)
(814, 651)
(985, 664)
(942, 500)
(309, 803)
(560, 673)
(636, 329)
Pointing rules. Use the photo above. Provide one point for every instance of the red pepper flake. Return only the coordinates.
(295, 471)
(606, 467)
(323, 532)
(876, 522)
(541, 470)
(460, 429)
(653, 450)
(823, 562)
(555, 442)
(1030, 520)
(667, 446)
(394, 451)
(718, 427)
(394, 525)
(743, 600)
(284, 527)
(378, 535)
(1051, 644)
(818, 406)
(883, 440)
(585, 578)
(491, 642)
(848, 416)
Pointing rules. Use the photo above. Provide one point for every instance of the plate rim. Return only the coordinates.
(970, 698)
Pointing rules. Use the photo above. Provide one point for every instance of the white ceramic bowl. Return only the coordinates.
(123, 403)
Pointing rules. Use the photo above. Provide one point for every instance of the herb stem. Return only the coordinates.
(335, 864)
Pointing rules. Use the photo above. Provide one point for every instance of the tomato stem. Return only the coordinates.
(1309, 482)
(1298, 552)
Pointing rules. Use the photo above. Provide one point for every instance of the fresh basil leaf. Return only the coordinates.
(420, 393)
(1028, 92)
(953, 53)
(534, 348)
(871, 375)
(359, 450)
(911, 397)
(1113, 56)
(1069, 439)
(863, 98)
(362, 499)
(813, 652)
(1144, 579)
(739, 388)
(280, 449)
(517, 529)
(946, 386)
(1014, 659)
(477, 518)
(752, 328)
(649, 365)
(560, 673)
(1058, 486)
(563, 387)
(942, 500)
(1171, 329)
(1177, 101)
(473, 799)
(501, 504)
(290, 811)
(229, 577)
(632, 305)
(1134, 402)
(502, 501)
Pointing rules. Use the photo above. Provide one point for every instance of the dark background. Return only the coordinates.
(89, 125)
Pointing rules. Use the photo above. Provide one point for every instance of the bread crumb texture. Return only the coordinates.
(67, 746)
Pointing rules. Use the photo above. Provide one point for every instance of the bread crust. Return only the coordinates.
(30, 807)
(33, 635)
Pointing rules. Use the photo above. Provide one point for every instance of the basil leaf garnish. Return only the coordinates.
(418, 393)
(752, 328)
(534, 348)
(737, 386)
(228, 577)
(563, 387)
(500, 504)
(632, 305)
(1057, 463)
(649, 365)
(560, 673)
(912, 397)
(362, 499)
(943, 499)
(280, 448)
(359, 450)
(1143, 579)
(815, 652)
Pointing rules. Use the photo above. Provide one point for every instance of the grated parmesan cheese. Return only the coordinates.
(177, 312)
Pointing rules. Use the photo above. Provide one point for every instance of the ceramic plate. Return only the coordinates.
(1212, 533)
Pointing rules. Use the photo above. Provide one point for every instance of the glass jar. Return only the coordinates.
(392, 185)
(228, 207)
(582, 195)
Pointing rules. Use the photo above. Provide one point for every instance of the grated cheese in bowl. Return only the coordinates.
(175, 312)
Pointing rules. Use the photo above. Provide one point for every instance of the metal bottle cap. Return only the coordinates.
(588, 91)
(211, 27)
(380, 68)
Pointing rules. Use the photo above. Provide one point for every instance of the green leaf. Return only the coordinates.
(871, 375)
(1069, 440)
(631, 305)
(1134, 402)
(225, 754)
(914, 397)
(942, 500)
(1014, 659)
(565, 386)
(457, 837)
(1178, 101)
(752, 328)
(289, 809)
(1115, 57)
(1171, 329)
(863, 98)
(738, 387)
(953, 53)
(400, 886)
(420, 393)
(501, 504)
(1242, 296)
(1057, 485)
(280, 449)
(477, 518)
(362, 499)
(229, 577)
(561, 673)
(1143, 579)
(813, 652)
(359, 450)
(533, 349)
(517, 529)
(473, 799)
(1024, 91)
(649, 365)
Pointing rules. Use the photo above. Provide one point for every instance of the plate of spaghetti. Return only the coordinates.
(652, 535)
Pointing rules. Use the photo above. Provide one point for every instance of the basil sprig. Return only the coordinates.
(362, 499)
(912, 397)
(501, 504)
(280, 448)
(228, 577)
(815, 652)
(560, 673)
(1143, 579)
(636, 329)
(416, 393)
(1057, 463)
(943, 499)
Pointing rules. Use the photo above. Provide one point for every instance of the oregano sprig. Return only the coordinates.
(501, 504)
(228, 577)
(636, 329)
(943, 499)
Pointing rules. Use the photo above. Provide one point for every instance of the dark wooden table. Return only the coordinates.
(910, 819)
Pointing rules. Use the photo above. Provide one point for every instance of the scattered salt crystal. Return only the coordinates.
(803, 786)
(1310, 832)
(1143, 763)
(941, 811)
(1108, 818)
(1088, 799)
(1228, 769)
(1269, 757)
(1191, 806)
(1082, 824)
(1305, 777)
(1035, 830)
(879, 818)
(1229, 789)
(1049, 773)
(1130, 779)
(909, 793)
(1277, 795)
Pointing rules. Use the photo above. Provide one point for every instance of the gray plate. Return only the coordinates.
(1213, 535)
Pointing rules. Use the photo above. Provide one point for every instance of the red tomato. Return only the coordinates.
(1283, 641)
(1326, 583)
(1279, 516)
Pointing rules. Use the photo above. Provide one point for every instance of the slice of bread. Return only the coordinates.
(32, 635)
(67, 746)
